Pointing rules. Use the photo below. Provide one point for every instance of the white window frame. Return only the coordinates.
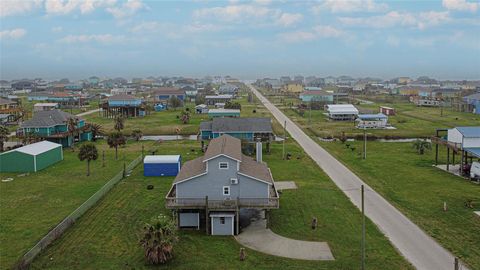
(234, 181)
(220, 165)
(223, 190)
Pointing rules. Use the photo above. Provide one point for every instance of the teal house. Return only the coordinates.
(53, 126)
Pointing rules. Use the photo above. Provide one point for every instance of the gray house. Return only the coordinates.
(209, 191)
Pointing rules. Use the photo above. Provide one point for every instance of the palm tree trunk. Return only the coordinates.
(88, 167)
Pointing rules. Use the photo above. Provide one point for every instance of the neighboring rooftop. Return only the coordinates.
(372, 116)
(121, 97)
(168, 91)
(469, 132)
(48, 119)
(4, 101)
(37, 148)
(244, 124)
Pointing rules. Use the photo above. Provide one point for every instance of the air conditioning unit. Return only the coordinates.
(233, 181)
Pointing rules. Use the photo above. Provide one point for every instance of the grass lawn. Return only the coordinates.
(107, 236)
(166, 122)
(409, 181)
(32, 205)
(410, 121)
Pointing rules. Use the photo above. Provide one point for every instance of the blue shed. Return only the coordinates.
(161, 165)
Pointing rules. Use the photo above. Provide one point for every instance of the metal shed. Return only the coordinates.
(31, 158)
(161, 165)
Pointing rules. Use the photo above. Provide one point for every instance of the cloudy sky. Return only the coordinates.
(247, 39)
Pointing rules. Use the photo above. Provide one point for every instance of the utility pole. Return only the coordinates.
(363, 227)
(364, 143)
(284, 138)
(310, 114)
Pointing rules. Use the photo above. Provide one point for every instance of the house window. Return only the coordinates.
(226, 190)
(233, 181)
(223, 165)
(222, 220)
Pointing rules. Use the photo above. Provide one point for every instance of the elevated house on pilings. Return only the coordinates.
(210, 191)
(463, 141)
(53, 126)
(123, 105)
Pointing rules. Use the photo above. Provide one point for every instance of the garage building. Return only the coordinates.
(161, 165)
(31, 158)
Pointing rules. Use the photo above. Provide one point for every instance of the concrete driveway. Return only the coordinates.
(258, 238)
(419, 249)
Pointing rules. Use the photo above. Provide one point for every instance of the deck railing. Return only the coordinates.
(222, 204)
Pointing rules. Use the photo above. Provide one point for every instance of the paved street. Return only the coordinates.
(413, 243)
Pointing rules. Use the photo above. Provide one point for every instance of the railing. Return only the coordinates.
(222, 204)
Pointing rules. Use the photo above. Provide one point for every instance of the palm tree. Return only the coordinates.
(88, 152)
(158, 239)
(3, 136)
(114, 140)
(72, 124)
(421, 146)
(119, 123)
(96, 130)
(175, 102)
(137, 134)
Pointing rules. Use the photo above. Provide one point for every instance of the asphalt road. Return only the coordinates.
(422, 251)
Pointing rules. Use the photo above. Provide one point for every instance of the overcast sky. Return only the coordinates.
(246, 39)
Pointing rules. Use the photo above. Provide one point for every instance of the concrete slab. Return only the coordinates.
(258, 238)
(453, 169)
(283, 185)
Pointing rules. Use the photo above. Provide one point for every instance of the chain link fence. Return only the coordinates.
(58, 231)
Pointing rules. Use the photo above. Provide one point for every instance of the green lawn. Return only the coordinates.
(166, 122)
(410, 121)
(32, 205)
(107, 236)
(409, 181)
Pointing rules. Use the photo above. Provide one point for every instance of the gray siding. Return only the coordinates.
(222, 229)
(189, 219)
(212, 183)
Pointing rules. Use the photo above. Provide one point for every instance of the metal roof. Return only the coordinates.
(36, 148)
(373, 116)
(342, 108)
(226, 96)
(469, 132)
(244, 124)
(162, 159)
(45, 105)
(474, 151)
(223, 111)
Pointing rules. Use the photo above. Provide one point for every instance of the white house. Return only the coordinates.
(465, 137)
(378, 120)
(341, 111)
